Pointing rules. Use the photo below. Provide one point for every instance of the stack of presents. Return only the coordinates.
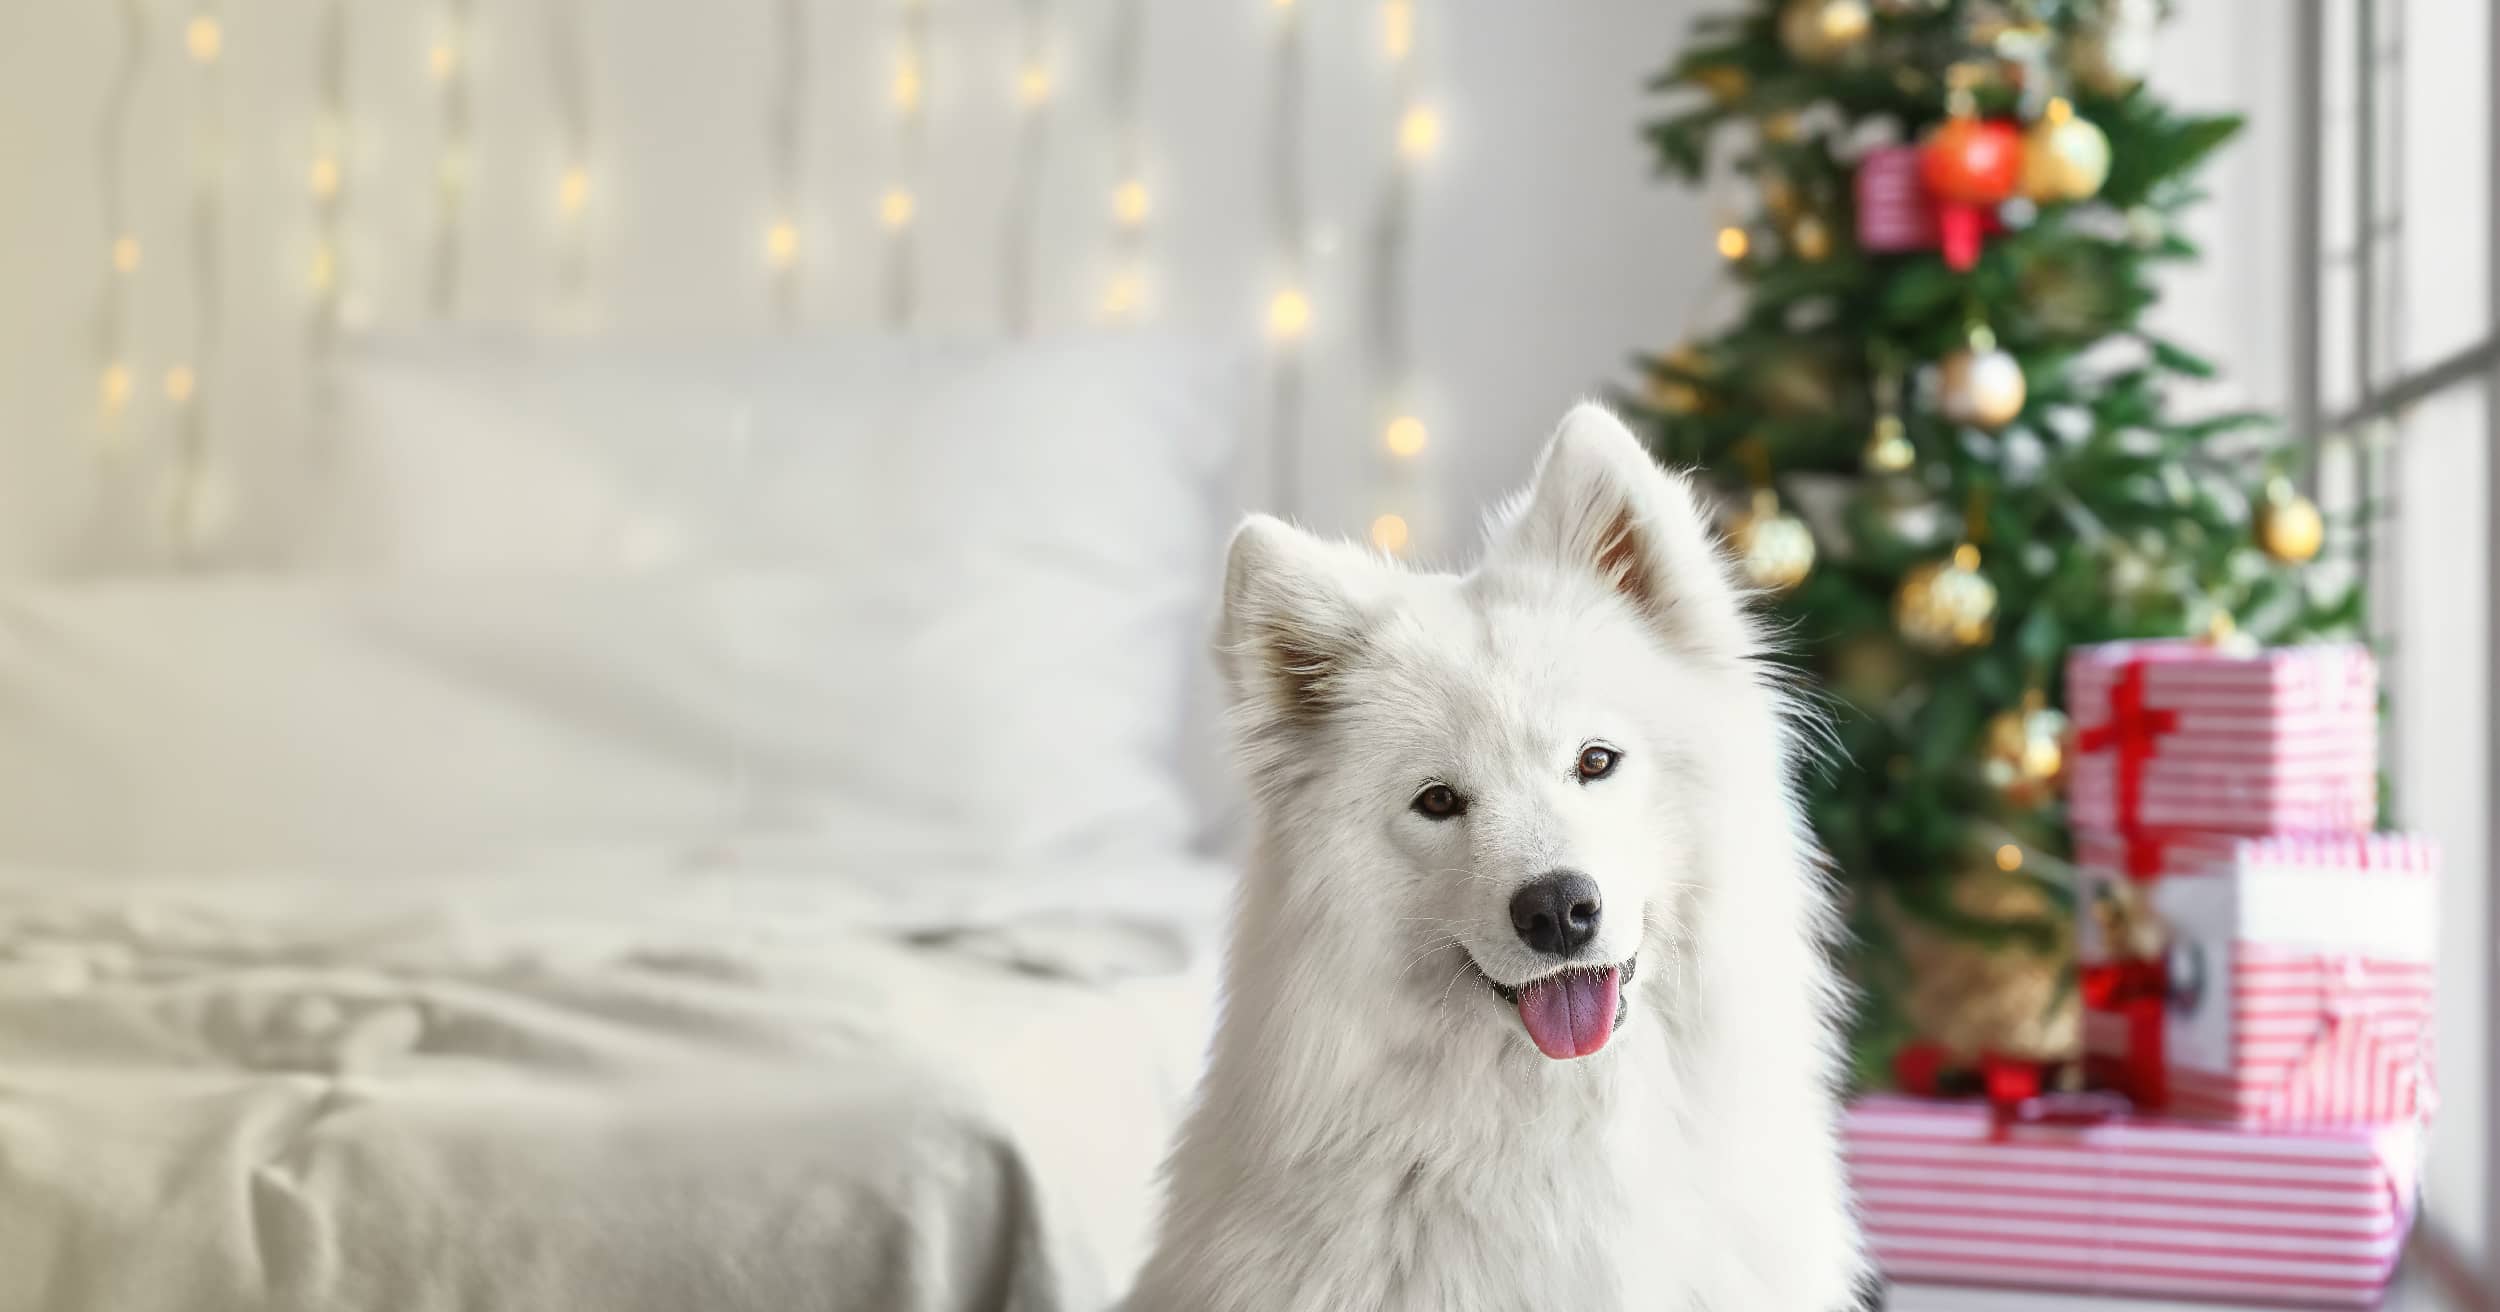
(2255, 968)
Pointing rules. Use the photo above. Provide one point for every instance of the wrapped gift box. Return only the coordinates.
(2199, 736)
(2132, 1205)
(2294, 984)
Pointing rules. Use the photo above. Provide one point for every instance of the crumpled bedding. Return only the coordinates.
(714, 1093)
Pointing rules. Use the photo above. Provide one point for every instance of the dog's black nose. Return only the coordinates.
(1557, 912)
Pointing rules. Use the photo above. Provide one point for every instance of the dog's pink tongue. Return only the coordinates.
(1571, 1014)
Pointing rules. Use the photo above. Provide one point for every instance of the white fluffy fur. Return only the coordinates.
(1376, 1129)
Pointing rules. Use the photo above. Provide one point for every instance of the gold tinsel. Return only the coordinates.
(1980, 998)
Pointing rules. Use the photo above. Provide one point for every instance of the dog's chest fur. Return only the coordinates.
(1504, 1196)
(1556, 1209)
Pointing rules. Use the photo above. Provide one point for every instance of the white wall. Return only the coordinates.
(1542, 254)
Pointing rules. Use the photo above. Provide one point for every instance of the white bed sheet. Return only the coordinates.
(614, 1091)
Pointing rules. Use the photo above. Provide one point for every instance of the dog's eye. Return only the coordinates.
(1597, 761)
(1440, 802)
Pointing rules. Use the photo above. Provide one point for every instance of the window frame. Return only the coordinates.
(2379, 407)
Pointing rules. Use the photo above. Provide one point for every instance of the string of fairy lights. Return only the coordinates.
(569, 79)
(450, 62)
(194, 497)
(114, 372)
(784, 121)
(1416, 138)
(899, 206)
(1124, 298)
(1035, 81)
(1289, 305)
(1124, 295)
(326, 176)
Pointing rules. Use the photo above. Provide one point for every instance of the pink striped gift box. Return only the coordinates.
(2192, 735)
(2300, 980)
(2134, 1205)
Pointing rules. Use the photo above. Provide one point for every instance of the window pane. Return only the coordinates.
(2443, 303)
(2438, 588)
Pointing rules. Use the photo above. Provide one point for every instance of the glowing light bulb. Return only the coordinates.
(1389, 533)
(1288, 315)
(1419, 133)
(113, 388)
(180, 383)
(1130, 204)
(1397, 28)
(1405, 436)
(906, 90)
(1124, 296)
(204, 39)
(896, 208)
(126, 255)
(325, 268)
(324, 177)
(1033, 87)
(573, 190)
(2009, 858)
(1733, 243)
(443, 60)
(781, 244)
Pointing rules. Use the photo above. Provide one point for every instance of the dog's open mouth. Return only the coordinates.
(1572, 1012)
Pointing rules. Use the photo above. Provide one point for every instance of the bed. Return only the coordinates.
(683, 827)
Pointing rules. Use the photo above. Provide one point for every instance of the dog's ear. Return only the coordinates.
(1599, 503)
(1292, 618)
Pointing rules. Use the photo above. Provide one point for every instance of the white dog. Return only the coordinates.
(1527, 1003)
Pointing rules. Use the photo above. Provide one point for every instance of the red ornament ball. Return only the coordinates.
(1972, 161)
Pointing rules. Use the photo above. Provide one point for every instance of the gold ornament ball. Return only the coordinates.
(1946, 605)
(1724, 83)
(2025, 753)
(1779, 198)
(1775, 549)
(1811, 240)
(1981, 386)
(2289, 526)
(1888, 449)
(1819, 30)
(2065, 158)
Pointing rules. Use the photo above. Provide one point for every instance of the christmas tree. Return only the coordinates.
(1949, 220)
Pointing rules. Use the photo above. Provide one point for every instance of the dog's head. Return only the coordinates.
(1489, 788)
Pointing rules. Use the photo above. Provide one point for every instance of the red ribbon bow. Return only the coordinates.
(2130, 732)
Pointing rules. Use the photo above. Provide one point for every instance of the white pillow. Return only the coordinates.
(953, 599)
(485, 722)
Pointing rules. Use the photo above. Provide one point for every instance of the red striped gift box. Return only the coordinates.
(2299, 977)
(2193, 735)
(2134, 1205)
